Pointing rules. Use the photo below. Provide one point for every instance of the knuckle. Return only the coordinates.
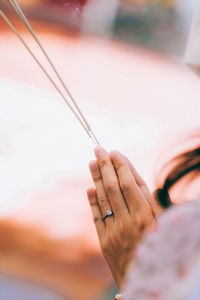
(102, 200)
(125, 186)
(120, 165)
(93, 202)
(102, 161)
(97, 219)
(111, 187)
(97, 178)
(139, 223)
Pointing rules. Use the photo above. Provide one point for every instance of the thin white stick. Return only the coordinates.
(22, 16)
(45, 72)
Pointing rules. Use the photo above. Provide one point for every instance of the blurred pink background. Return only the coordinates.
(137, 101)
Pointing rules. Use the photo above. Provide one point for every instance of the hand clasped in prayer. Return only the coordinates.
(119, 189)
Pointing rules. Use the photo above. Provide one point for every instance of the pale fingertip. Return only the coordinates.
(91, 193)
(99, 151)
(114, 154)
(117, 157)
(93, 166)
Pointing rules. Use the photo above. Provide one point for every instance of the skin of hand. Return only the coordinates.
(120, 188)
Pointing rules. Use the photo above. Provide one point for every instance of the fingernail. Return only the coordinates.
(99, 151)
(91, 193)
(93, 166)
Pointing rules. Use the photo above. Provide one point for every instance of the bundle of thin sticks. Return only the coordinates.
(73, 106)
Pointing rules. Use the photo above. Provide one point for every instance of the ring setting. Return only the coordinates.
(109, 213)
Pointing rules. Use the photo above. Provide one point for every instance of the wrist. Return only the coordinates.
(120, 273)
(119, 277)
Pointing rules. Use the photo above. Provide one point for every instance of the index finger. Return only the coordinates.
(110, 182)
(144, 188)
(132, 192)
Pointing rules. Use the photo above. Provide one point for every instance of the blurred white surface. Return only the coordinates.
(135, 100)
(43, 141)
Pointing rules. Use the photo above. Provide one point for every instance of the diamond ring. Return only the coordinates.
(109, 213)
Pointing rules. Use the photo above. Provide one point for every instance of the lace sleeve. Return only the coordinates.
(166, 262)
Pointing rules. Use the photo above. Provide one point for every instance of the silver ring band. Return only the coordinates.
(109, 213)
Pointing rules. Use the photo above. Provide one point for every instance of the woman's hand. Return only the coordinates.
(119, 188)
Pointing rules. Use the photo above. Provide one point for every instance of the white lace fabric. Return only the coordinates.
(168, 260)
